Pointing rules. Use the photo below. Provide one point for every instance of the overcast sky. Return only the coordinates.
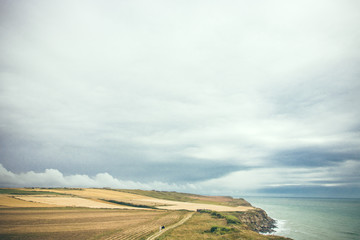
(214, 97)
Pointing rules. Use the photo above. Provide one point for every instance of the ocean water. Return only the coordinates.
(313, 218)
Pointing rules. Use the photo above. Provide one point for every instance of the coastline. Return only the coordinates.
(213, 216)
(312, 218)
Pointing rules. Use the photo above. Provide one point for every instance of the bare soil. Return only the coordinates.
(175, 205)
(80, 223)
(7, 201)
(72, 202)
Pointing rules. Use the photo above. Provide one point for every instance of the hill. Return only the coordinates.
(58, 213)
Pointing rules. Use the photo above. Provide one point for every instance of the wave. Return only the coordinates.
(280, 227)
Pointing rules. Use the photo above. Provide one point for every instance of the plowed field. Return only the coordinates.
(82, 223)
(175, 205)
(144, 200)
(11, 202)
(72, 202)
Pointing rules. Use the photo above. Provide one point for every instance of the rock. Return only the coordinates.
(257, 220)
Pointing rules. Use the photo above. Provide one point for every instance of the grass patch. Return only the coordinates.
(13, 191)
(66, 188)
(205, 226)
(221, 230)
(188, 197)
(129, 204)
(230, 219)
(174, 196)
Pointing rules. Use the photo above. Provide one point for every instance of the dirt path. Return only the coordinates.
(145, 227)
(182, 221)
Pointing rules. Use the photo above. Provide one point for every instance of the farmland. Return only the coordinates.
(73, 223)
(71, 202)
(169, 201)
(64, 213)
(13, 202)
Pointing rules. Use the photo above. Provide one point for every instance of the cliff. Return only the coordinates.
(257, 220)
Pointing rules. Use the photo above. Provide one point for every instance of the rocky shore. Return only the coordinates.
(257, 220)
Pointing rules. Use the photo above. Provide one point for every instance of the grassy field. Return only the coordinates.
(73, 202)
(204, 226)
(94, 193)
(15, 191)
(10, 201)
(154, 199)
(45, 214)
(187, 197)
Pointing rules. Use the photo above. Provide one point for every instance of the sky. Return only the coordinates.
(213, 97)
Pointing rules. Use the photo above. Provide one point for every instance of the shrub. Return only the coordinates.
(204, 211)
(230, 219)
(129, 204)
(216, 214)
(221, 230)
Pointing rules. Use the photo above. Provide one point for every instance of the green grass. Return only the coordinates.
(26, 192)
(230, 219)
(206, 226)
(185, 197)
(129, 204)
(221, 230)
(175, 196)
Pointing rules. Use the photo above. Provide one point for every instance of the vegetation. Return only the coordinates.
(129, 204)
(174, 196)
(23, 219)
(65, 188)
(221, 230)
(187, 197)
(14, 191)
(230, 219)
(206, 226)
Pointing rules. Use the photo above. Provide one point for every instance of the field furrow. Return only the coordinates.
(145, 228)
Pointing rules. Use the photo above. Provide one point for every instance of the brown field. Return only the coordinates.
(106, 194)
(8, 201)
(98, 194)
(72, 202)
(82, 223)
(87, 214)
(159, 203)
(175, 205)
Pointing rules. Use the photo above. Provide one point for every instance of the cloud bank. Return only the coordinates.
(282, 181)
(54, 178)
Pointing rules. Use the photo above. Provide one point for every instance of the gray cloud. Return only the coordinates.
(316, 157)
(179, 92)
(54, 178)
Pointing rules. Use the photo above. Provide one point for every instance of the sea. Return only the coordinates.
(312, 218)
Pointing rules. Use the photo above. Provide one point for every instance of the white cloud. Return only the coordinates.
(54, 178)
(133, 82)
(238, 183)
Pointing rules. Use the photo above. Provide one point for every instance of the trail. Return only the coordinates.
(145, 228)
(182, 221)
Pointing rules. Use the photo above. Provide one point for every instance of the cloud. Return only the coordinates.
(337, 180)
(176, 92)
(54, 178)
(313, 181)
